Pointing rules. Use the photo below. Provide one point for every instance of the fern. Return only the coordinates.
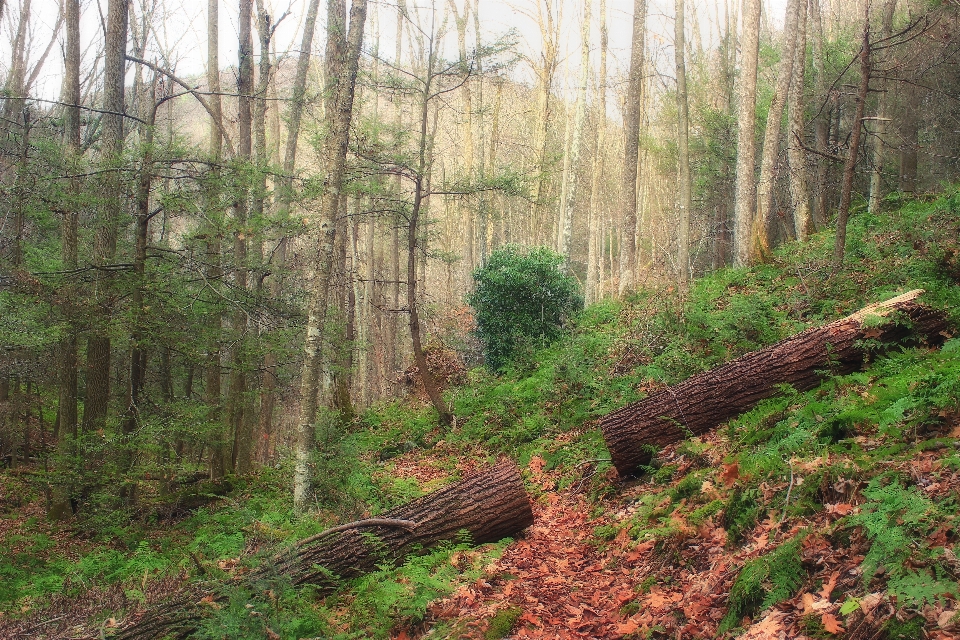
(765, 581)
(893, 520)
(917, 588)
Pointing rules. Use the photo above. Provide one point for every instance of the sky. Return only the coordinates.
(182, 32)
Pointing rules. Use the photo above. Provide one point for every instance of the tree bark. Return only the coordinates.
(708, 399)
(850, 164)
(746, 194)
(763, 223)
(631, 150)
(685, 188)
(883, 116)
(490, 506)
(593, 289)
(105, 245)
(821, 124)
(571, 160)
(796, 154)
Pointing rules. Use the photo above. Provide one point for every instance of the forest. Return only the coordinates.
(522, 318)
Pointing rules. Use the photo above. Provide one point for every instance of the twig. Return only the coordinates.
(789, 489)
(409, 525)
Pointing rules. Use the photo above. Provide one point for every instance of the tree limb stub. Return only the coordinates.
(706, 400)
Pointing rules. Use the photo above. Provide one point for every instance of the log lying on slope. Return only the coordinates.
(708, 399)
(489, 506)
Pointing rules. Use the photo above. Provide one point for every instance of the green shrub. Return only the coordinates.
(521, 300)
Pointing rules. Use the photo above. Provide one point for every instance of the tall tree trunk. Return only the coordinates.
(67, 423)
(821, 123)
(593, 290)
(105, 244)
(763, 223)
(684, 192)
(14, 86)
(212, 231)
(909, 142)
(549, 26)
(334, 158)
(571, 160)
(850, 164)
(284, 202)
(236, 399)
(631, 149)
(746, 136)
(470, 231)
(796, 154)
(138, 354)
(883, 116)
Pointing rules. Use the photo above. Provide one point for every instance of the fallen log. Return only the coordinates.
(489, 506)
(708, 399)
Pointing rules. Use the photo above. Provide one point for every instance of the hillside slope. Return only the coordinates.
(828, 513)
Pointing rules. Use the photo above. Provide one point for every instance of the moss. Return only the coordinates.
(502, 623)
(699, 515)
(911, 629)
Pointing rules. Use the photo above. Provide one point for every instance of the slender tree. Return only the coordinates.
(764, 221)
(571, 159)
(746, 189)
(631, 149)
(684, 192)
(343, 82)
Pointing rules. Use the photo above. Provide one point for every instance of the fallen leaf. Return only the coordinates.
(273, 635)
(536, 465)
(869, 602)
(730, 474)
(947, 620)
(841, 509)
(831, 624)
(110, 623)
(829, 586)
(627, 627)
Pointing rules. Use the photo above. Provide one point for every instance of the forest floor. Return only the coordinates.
(830, 513)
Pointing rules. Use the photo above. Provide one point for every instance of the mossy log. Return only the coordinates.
(709, 399)
(488, 506)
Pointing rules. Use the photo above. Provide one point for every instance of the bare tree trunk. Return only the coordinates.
(909, 142)
(763, 223)
(746, 141)
(684, 192)
(850, 164)
(69, 356)
(796, 155)
(549, 25)
(571, 160)
(883, 116)
(334, 156)
(631, 149)
(105, 245)
(15, 83)
(593, 290)
(821, 123)
(212, 374)
(460, 20)
(236, 398)
(706, 400)
(138, 354)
